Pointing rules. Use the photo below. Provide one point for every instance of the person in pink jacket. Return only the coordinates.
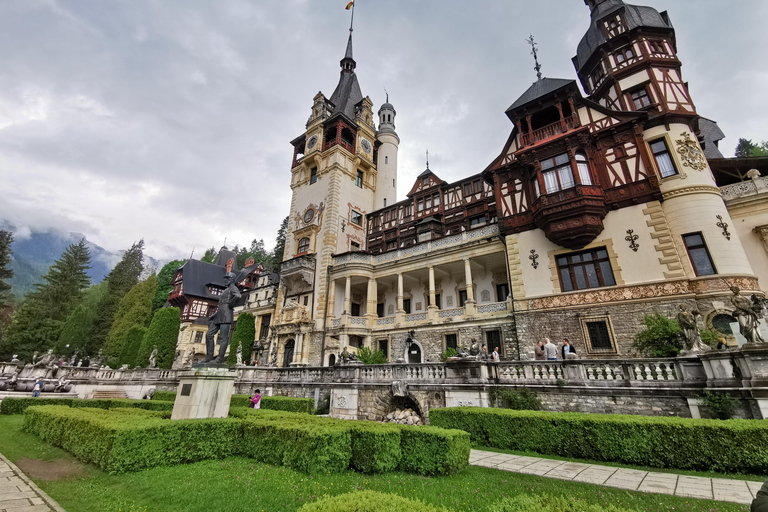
(256, 401)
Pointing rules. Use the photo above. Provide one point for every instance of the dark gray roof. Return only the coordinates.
(348, 54)
(635, 15)
(346, 95)
(710, 134)
(224, 256)
(540, 88)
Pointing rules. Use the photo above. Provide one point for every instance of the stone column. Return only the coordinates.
(400, 293)
(348, 296)
(432, 304)
(470, 307)
(373, 297)
(298, 349)
(331, 299)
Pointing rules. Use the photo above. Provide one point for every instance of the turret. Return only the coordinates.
(386, 163)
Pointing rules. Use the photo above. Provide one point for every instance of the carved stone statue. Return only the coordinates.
(347, 356)
(239, 354)
(747, 316)
(690, 332)
(153, 357)
(74, 358)
(96, 361)
(46, 361)
(188, 356)
(474, 349)
(61, 385)
(221, 321)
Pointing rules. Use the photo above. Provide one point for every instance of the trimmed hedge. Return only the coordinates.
(125, 439)
(122, 440)
(369, 501)
(546, 503)
(433, 451)
(676, 443)
(17, 405)
(164, 396)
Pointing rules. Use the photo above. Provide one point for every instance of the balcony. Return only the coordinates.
(553, 130)
(573, 217)
(298, 274)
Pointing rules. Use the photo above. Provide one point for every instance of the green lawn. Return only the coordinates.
(238, 484)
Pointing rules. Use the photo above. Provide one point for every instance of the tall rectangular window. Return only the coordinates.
(407, 306)
(356, 218)
(380, 310)
(663, 158)
(699, 254)
(584, 270)
(557, 173)
(313, 175)
(462, 298)
(264, 332)
(359, 180)
(450, 341)
(420, 205)
(502, 292)
(384, 347)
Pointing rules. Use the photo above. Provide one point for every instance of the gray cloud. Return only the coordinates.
(170, 120)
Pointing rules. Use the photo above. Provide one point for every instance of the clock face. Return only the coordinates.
(309, 215)
(365, 143)
(311, 142)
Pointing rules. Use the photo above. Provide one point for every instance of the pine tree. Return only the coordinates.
(245, 334)
(210, 255)
(6, 239)
(282, 234)
(75, 330)
(135, 309)
(37, 324)
(163, 333)
(132, 342)
(164, 283)
(120, 280)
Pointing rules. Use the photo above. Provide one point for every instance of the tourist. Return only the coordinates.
(256, 400)
(550, 350)
(538, 351)
(496, 355)
(484, 353)
(721, 344)
(567, 348)
(760, 503)
(38, 388)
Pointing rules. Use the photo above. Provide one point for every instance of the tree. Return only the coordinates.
(133, 339)
(659, 337)
(163, 333)
(120, 280)
(75, 330)
(164, 286)
(135, 309)
(245, 335)
(746, 148)
(282, 234)
(210, 255)
(37, 324)
(6, 239)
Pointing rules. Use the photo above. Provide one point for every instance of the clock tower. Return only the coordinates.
(335, 182)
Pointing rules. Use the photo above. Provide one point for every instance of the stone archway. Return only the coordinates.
(414, 353)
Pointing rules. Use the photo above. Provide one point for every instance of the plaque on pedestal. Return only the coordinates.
(203, 393)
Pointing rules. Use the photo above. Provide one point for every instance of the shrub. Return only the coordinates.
(163, 332)
(123, 403)
(17, 405)
(528, 503)
(368, 501)
(165, 396)
(433, 451)
(132, 341)
(375, 447)
(677, 443)
(522, 399)
(449, 352)
(659, 337)
(244, 334)
(277, 403)
(721, 406)
(711, 336)
(308, 446)
(368, 356)
(135, 308)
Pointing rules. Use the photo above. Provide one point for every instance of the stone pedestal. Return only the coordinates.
(469, 370)
(203, 393)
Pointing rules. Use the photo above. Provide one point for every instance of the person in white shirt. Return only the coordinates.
(496, 355)
(550, 350)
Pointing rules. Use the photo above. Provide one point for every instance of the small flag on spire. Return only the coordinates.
(350, 4)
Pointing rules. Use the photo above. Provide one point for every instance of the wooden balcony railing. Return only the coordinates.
(549, 131)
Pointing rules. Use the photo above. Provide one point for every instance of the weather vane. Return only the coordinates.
(427, 159)
(351, 7)
(535, 54)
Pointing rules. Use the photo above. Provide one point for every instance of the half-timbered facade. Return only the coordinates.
(599, 209)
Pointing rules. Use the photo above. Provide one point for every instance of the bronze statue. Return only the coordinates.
(747, 316)
(221, 321)
(690, 334)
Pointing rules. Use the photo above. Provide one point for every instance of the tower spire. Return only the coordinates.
(535, 54)
(348, 62)
(427, 159)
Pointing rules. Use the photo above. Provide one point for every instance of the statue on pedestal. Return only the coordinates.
(153, 357)
(221, 321)
(46, 361)
(690, 332)
(239, 354)
(747, 315)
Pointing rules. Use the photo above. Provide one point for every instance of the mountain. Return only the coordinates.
(34, 251)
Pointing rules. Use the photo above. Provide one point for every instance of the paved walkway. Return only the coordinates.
(19, 494)
(736, 491)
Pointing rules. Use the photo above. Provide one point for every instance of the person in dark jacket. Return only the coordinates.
(567, 348)
(538, 352)
(760, 503)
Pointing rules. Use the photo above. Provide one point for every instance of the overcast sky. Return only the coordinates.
(170, 120)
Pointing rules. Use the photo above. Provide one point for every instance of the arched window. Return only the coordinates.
(303, 245)
(583, 166)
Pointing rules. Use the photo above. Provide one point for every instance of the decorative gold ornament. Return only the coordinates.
(691, 153)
